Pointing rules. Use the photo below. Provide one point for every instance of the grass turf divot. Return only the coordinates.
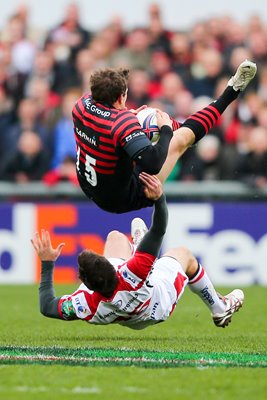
(124, 357)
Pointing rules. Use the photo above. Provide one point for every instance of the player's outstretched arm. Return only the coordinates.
(152, 241)
(48, 255)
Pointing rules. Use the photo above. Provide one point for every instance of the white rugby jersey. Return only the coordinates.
(135, 303)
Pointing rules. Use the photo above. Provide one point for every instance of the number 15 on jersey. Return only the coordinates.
(90, 173)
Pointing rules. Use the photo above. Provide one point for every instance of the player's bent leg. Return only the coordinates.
(182, 139)
(185, 257)
(117, 245)
(197, 125)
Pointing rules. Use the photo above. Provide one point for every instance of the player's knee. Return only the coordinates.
(184, 256)
(179, 252)
(188, 260)
(183, 138)
(115, 236)
(185, 252)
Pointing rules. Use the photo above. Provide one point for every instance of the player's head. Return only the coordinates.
(97, 273)
(108, 85)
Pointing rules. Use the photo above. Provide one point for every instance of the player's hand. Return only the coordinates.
(152, 186)
(43, 247)
(135, 112)
(163, 119)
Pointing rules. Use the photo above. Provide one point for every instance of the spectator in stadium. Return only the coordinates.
(64, 142)
(171, 87)
(6, 118)
(159, 36)
(134, 290)
(47, 101)
(27, 118)
(183, 106)
(112, 149)
(205, 73)
(65, 172)
(160, 65)
(30, 161)
(251, 167)
(43, 67)
(22, 49)
(67, 38)
(64, 41)
(138, 89)
(181, 55)
(84, 65)
(206, 162)
(135, 53)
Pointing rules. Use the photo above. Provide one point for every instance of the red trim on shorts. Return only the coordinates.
(179, 287)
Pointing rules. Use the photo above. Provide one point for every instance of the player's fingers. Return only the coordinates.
(154, 179)
(159, 113)
(34, 245)
(145, 176)
(37, 239)
(43, 236)
(147, 183)
(149, 179)
(47, 239)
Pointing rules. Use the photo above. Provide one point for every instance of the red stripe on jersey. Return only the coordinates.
(78, 109)
(129, 116)
(95, 127)
(100, 163)
(131, 124)
(105, 139)
(106, 148)
(140, 264)
(175, 124)
(95, 152)
(104, 171)
(77, 114)
(80, 105)
(93, 300)
(141, 306)
(125, 122)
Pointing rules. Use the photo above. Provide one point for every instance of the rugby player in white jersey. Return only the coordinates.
(134, 290)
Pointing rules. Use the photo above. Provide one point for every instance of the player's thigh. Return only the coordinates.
(117, 245)
(181, 140)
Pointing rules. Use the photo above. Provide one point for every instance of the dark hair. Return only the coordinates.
(108, 84)
(97, 273)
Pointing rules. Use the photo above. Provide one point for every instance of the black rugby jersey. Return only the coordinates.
(107, 141)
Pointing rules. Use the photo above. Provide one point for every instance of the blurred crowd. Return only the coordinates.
(42, 74)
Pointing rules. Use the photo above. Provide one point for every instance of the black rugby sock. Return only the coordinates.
(202, 121)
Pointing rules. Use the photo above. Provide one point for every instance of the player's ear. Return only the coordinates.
(121, 101)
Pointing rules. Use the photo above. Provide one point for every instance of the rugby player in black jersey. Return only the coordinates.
(112, 149)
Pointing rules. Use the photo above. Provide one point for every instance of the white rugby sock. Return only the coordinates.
(202, 286)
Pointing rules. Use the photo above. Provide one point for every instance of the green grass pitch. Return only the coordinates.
(186, 357)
